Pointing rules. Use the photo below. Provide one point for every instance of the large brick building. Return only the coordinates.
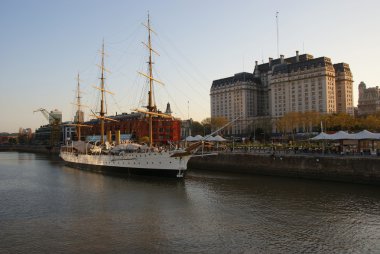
(164, 129)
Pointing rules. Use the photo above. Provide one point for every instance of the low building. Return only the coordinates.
(8, 138)
(43, 134)
(186, 128)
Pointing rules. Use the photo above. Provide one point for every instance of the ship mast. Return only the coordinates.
(102, 112)
(150, 99)
(78, 120)
(152, 109)
(102, 89)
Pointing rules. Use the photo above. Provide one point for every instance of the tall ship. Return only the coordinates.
(128, 157)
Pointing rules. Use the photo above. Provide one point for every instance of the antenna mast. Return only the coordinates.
(278, 36)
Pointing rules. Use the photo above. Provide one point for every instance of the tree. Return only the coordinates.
(213, 123)
(197, 128)
(144, 139)
(218, 122)
(206, 123)
(371, 123)
(310, 120)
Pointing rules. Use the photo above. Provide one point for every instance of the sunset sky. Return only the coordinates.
(45, 43)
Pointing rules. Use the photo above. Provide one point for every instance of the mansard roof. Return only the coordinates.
(301, 58)
(301, 65)
(242, 77)
(341, 67)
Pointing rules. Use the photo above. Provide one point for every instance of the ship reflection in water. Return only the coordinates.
(46, 207)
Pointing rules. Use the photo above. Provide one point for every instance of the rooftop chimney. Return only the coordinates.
(297, 56)
(282, 59)
(256, 70)
(270, 61)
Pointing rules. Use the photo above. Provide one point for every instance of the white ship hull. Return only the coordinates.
(136, 163)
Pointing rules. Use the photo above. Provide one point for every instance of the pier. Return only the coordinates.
(343, 168)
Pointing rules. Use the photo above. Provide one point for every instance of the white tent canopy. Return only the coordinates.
(198, 138)
(342, 135)
(209, 138)
(218, 138)
(367, 135)
(321, 136)
(189, 138)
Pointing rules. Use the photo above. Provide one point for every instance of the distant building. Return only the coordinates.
(68, 131)
(238, 96)
(303, 83)
(79, 117)
(7, 138)
(344, 89)
(300, 83)
(369, 100)
(186, 128)
(43, 134)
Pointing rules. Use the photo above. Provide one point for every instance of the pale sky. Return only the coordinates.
(45, 43)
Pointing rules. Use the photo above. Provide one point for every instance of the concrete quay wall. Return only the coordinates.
(358, 169)
(29, 149)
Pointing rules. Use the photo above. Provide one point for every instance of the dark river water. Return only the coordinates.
(46, 207)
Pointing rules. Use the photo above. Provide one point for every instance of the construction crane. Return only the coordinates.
(54, 122)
